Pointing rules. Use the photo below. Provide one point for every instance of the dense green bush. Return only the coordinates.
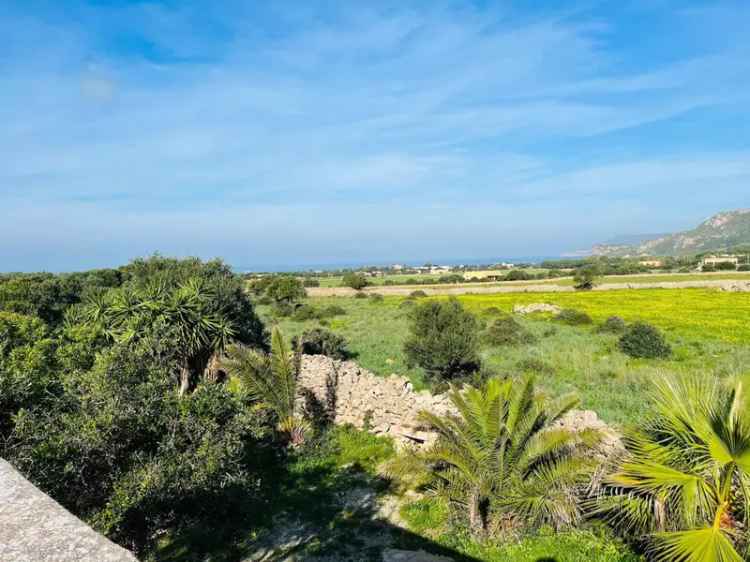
(332, 310)
(743, 268)
(443, 339)
(305, 312)
(644, 340)
(376, 298)
(573, 317)
(725, 266)
(360, 295)
(310, 282)
(708, 268)
(518, 275)
(322, 342)
(285, 288)
(282, 309)
(28, 377)
(492, 311)
(613, 325)
(356, 281)
(418, 294)
(508, 331)
(451, 278)
(585, 277)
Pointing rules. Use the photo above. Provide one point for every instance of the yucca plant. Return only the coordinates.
(272, 380)
(500, 455)
(684, 486)
(184, 313)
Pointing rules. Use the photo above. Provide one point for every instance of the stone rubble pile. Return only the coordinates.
(536, 307)
(390, 406)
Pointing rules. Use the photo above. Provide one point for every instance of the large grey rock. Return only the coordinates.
(35, 528)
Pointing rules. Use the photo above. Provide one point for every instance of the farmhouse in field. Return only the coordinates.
(653, 264)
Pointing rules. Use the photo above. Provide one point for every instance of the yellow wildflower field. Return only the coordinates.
(686, 312)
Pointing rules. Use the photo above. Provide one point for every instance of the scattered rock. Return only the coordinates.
(536, 307)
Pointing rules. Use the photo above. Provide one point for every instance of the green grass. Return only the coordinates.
(563, 282)
(708, 330)
(429, 517)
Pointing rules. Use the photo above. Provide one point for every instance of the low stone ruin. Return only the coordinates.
(536, 307)
(390, 406)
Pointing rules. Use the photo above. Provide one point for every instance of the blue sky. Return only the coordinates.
(319, 132)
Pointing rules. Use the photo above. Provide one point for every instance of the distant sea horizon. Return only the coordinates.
(333, 266)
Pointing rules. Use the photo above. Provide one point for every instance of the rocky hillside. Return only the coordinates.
(722, 231)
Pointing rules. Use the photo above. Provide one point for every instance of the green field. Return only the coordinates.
(335, 281)
(709, 331)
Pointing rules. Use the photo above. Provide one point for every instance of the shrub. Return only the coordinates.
(573, 317)
(726, 266)
(535, 365)
(508, 331)
(356, 281)
(743, 268)
(644, 340)
(360, 295)
(305, 312)
(518, 275)
(376, 298)
(322, 342)
(708, 268)
(285, 288)
(407, 303)
(492, 311)
(418, 294)
(613, 325)
(332, 310)
(310, 282)
(282, 309)
(452, 278)
(584, 277)
(443, 339)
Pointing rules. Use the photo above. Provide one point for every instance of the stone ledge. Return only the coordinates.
(35, 528)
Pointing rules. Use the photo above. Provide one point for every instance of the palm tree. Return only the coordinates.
(501, 454)
(685, 484)
(184, 315)
(271, 379)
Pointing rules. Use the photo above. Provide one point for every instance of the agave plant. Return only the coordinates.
(272, 380)
(685, 484)
(502, 455)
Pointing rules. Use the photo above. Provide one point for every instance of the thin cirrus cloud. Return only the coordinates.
(290, 135)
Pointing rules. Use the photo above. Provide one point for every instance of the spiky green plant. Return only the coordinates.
(272, 380)
(502, 455)
(184, 314)
(685, 484)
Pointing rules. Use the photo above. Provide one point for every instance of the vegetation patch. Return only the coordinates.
(644, 341)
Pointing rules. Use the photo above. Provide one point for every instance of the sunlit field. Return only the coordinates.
(708, 330)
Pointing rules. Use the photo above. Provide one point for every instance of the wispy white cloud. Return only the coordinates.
(292, 117)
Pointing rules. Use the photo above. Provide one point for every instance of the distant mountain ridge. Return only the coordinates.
(719, 232)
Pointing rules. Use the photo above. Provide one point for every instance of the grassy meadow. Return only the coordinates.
(708, 330)
(397, 278)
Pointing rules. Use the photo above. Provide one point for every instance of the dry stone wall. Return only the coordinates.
(385, 405)
(390, 406)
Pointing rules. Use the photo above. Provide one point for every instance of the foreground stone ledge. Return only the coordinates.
(35, 528)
